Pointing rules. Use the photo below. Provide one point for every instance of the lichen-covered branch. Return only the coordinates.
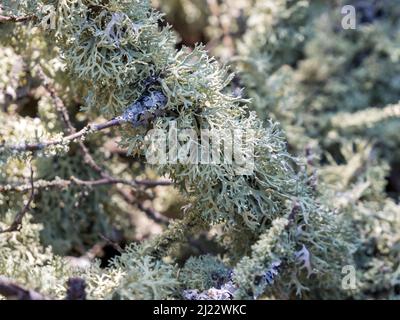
(63, 183)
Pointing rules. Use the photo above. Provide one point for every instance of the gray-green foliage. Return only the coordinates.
(357, 187)
(353, 71)
(329, 69)
(342, 90)
(73, 217)
(204, 272)
(133, 275)
(22, 257)
(275, 34)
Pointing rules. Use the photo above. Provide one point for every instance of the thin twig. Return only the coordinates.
(16, 18)
(38, 184)
(59, 104)
(17, 223)
(154, 215)
(114, 244)
(73, 134)
(44, 144)
(64, 183)
(111, 180)
(150, 213)
(11, 290)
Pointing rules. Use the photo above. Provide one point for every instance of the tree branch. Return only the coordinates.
(12, 290)
(111, 180)
(64, 183)
(16, 18)
(153, 214)
(150, 213)
(107, 178)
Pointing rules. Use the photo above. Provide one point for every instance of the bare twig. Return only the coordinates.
(17, 223)
(16, 18)
(154, 183)
(64, 183)
(38, 184)
(59, 104)
(73, 134)
(111, 180)
(114, 244)
(150, 213)
(12, 290)
(153, 214)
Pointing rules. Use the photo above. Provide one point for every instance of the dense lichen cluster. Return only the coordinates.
(276, 225)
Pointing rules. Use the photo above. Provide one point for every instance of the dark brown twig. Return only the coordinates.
(59, 104)
(12, 290)
(16, 18)
(73, 134)
(114, 244)
(64, 183)
(62, 110)
(153, 214)
(111, 180)
(17, 223)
